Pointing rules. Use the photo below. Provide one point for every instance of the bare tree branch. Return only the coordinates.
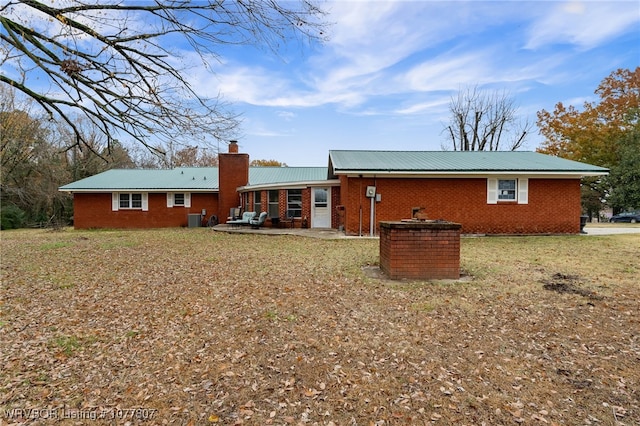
(117, 64)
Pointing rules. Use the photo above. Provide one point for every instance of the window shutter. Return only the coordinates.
(169, 199)
(523, 191)
(145, 201)
(187, 199)
(115, 201)
(492, 191)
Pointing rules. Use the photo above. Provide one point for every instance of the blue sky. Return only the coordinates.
(386, 75)
(385, 78)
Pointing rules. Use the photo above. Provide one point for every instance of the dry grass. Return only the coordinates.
(204, 328)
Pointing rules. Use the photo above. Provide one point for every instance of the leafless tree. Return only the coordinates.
(485, 121)
(119, 63)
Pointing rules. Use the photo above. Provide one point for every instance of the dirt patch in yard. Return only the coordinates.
(562, 283)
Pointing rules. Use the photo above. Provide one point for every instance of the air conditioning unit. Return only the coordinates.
(371, 191)
(194, 220)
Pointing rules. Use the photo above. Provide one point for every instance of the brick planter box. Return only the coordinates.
(416, 249)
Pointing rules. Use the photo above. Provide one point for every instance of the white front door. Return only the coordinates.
(321, 207)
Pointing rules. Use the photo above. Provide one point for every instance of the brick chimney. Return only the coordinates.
(233, 171)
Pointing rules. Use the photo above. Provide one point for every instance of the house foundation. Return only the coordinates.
(416, 249)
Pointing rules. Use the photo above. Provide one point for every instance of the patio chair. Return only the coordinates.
(257, 223)
(288, 219)
(245, 220)
(234, 214)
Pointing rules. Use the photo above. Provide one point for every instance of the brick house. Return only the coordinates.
(486, 192)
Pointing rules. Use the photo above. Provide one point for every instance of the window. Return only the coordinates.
(130, 201)
(178, 199)
(273, 203)
(507, 189)
(257, 201)
(320, 196)
(294, 202)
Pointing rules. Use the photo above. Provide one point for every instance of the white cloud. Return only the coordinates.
(370, 37)
(286, 115)
(584, 24)
(439, 104)
(372, 43)
(260, 86)
(448, 72)
(411, 50)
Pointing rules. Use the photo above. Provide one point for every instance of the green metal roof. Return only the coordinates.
(183, 178)
(345, 162)
(278, 175)
(189, 179)
(201, 179)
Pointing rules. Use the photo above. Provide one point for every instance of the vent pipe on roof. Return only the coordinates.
(233, 147)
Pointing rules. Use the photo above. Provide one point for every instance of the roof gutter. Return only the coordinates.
(289, 185)
(158, 190)
(474, 173)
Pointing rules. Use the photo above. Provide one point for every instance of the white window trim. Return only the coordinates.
(522, 191)
(115, 201)
(170, 198)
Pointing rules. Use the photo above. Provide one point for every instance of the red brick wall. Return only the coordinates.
(420, 250)
(282, 203)
(553, 207)
(554, 204)
(233, 171)
(336, 220)
(306, 208)
(93, 210)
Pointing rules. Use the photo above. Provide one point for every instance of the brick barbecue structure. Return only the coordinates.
(416, 249)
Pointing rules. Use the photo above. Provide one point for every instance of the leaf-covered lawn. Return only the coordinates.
(191, 326)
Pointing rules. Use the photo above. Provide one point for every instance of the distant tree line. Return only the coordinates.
(37, 156)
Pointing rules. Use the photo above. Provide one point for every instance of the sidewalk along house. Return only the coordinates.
(486, 192)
